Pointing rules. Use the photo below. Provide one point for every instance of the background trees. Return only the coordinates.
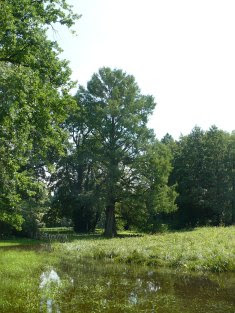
(204, 170)
(150, 196)
(93, 153)
(77, 179)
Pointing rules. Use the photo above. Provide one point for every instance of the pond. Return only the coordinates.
(102, 287)
(67, 285)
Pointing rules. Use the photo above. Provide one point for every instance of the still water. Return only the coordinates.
(104, 287)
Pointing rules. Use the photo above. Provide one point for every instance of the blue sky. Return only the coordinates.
(182, 52)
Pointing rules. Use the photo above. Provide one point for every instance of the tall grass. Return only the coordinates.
(203, 249)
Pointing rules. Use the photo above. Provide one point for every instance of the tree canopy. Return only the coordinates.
(34, 98)
(204, 170)
(91, 157)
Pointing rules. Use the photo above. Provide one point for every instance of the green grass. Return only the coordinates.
(203, 249)
(18, 242)
(19, 275)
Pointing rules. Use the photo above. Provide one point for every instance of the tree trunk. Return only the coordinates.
(233, 200)
(233, 186)
(110, 222)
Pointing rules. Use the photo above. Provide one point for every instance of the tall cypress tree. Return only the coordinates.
(118, 115)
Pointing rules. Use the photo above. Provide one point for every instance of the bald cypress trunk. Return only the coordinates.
(110, 222)
(233, 199)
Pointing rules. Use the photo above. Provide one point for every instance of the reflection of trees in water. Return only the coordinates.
(101, 287)
(49, 284)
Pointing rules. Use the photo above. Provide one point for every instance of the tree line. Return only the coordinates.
(90, 159)
(204, 171)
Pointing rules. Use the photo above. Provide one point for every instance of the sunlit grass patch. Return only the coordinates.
(18, 275)
(20, 272)
(203, 249)
(18, 242)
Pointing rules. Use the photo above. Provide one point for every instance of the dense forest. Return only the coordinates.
(90, 160)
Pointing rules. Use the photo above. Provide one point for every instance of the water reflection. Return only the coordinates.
(49, 284)
(153, 287)
(133, 298)
(139, 282)
(101, 287)
(48, 279)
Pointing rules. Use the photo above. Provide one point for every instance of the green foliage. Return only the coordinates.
(150, 194)
(23, 39)
(204, 171)
(34, 99)
(94, 149)
(118, 115)
(112, 160)
(77, 187)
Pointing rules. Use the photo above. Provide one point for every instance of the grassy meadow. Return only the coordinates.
(203, 249)
(22, 261)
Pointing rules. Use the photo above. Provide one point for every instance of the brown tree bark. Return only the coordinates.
(110, 223)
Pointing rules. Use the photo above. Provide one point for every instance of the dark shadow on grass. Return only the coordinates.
(34, 247)
(63, 235)
(95, 236)
(88, 237)
(129, 235)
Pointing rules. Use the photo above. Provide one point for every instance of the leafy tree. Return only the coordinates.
(171, 144)
(202, 168)
(77, 179)
(168, 139)
(34, 99)
(118, 114)
(231, 162)
(188, 167)
(218, 170)
(23, 39)
(150, 195)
